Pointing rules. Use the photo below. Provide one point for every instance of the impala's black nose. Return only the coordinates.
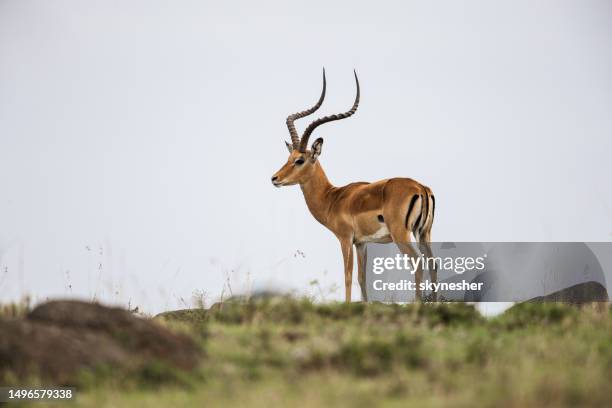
(274, 178)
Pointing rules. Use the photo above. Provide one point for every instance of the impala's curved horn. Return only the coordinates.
(295, 138)
(331, 118)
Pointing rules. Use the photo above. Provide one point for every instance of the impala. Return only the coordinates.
(385, 211)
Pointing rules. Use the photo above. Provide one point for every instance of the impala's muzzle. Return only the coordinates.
(275, 181)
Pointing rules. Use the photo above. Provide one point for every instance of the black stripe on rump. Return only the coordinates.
(433, 207)
(410, 207)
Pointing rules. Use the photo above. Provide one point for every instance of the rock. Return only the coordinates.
(55, 353)
(581, 293)
(60, 338)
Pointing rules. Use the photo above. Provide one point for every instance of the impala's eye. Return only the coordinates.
(299, 161)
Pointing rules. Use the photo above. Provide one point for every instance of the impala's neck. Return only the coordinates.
(316, 192)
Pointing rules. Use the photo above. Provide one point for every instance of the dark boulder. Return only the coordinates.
(585, 292)
(59, 339)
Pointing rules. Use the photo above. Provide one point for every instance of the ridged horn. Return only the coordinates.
(295, 138)
(304, 142)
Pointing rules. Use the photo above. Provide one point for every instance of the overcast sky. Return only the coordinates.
(137, 138)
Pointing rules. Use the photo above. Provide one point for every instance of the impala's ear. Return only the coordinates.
(316, 149)
(289, 146)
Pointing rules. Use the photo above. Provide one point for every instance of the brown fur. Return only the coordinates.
(352, 212)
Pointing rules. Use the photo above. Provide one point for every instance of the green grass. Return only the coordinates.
(287, 352)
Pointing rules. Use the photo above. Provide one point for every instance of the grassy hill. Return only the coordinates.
(287, 352)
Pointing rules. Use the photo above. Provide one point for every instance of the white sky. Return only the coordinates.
(137, 139)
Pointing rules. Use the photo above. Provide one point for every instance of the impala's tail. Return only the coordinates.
(426, 210)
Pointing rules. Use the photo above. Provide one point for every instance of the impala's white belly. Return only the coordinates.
(382, 235)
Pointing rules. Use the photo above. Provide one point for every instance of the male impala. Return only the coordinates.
(358, 213)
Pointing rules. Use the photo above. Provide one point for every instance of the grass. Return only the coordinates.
(16, 309)
(288, 352)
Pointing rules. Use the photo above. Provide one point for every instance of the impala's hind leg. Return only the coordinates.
(424, 238)
(430, 265)
(402, 216)
(405, 247)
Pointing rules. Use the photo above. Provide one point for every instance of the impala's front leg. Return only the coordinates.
(362, 256)
(347, 254)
